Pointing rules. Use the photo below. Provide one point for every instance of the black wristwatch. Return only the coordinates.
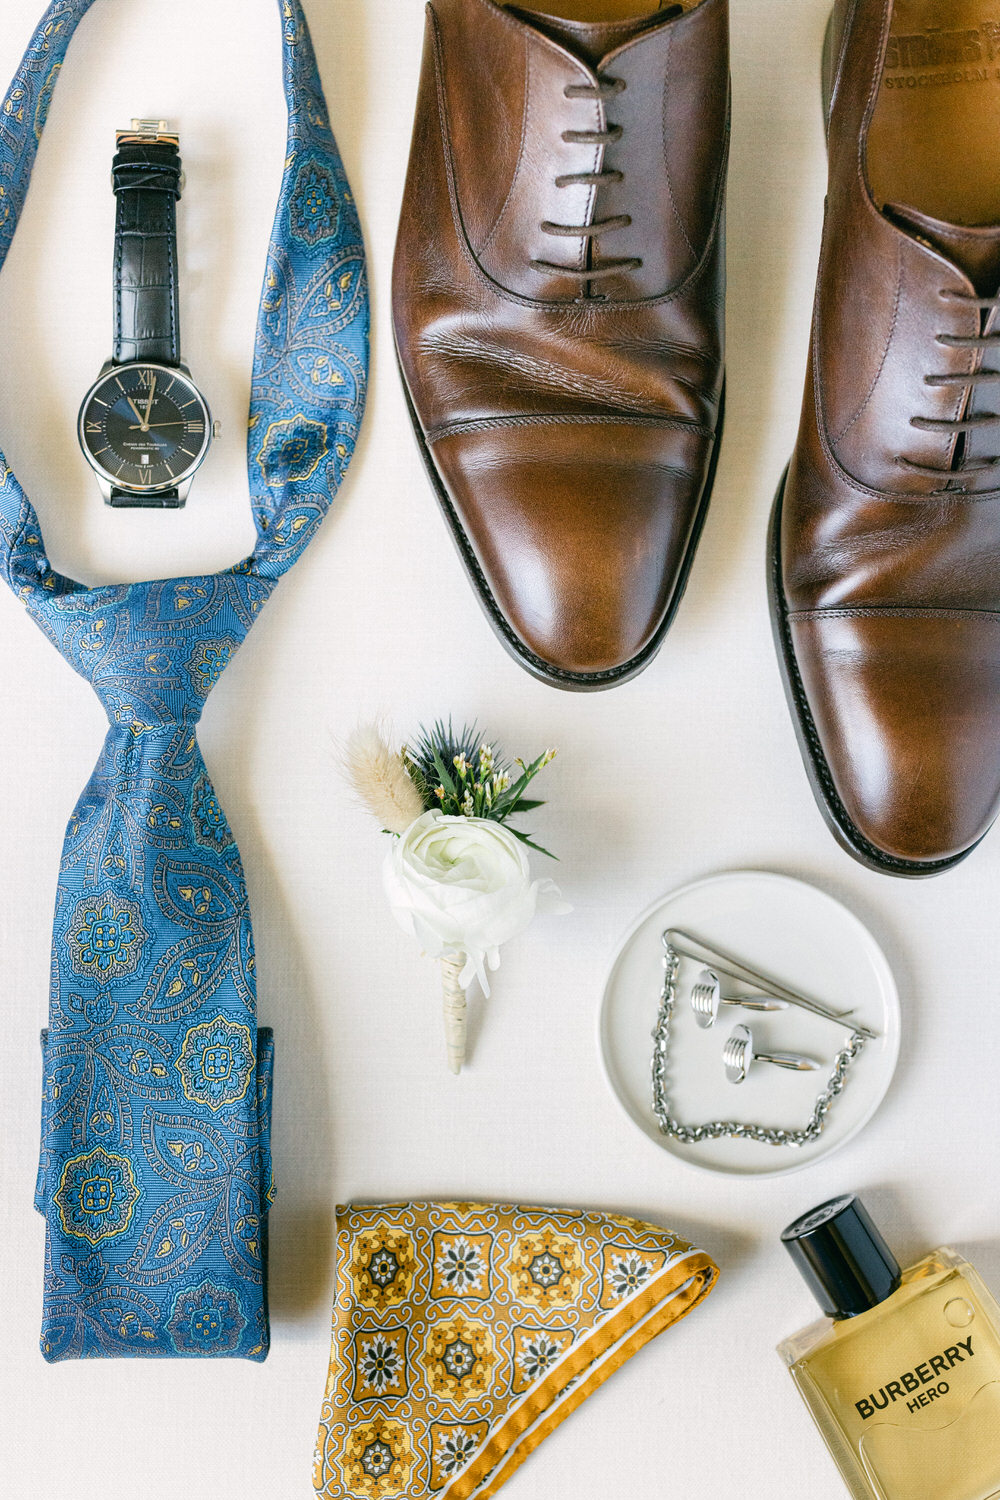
(145, 427)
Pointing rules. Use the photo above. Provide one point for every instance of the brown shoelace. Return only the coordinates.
(605, 88)
(972, 421)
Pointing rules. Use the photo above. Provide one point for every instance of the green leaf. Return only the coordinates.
(532, 845)
(460, 790)
(514, 791)
(442, 770)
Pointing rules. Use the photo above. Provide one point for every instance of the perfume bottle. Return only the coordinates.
(902, 1376)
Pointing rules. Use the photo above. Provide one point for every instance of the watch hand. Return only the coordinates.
(149, 404)
(156, 425)
(134, 408)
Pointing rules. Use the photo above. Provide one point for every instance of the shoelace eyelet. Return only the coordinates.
(602, 88)
(605, 88)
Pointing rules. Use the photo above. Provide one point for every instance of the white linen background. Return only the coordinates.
(690, 769)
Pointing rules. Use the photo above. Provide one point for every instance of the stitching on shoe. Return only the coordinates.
(565, 419)
(666, 159)
(895, 611)
(839, 437)
(839, 64)
(491, 236)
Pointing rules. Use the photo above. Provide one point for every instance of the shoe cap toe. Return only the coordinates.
(580, 534)
(906, 708)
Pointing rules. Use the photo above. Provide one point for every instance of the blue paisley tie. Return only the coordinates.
(155, 1175)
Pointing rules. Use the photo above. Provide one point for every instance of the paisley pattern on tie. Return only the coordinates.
(464, 1333)
(155, 1173)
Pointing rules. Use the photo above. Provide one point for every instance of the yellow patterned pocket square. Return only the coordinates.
(464, 1333)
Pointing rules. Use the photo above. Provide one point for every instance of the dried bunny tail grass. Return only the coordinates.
(380, 779)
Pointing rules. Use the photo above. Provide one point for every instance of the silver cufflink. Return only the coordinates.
(739, 1055)
(707, 998)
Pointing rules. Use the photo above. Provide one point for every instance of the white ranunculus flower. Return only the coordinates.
(463, 885)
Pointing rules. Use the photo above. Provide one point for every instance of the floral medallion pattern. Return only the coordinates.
(216, 1063)
(96, 1195)
(546, 1270)
(626, 1271)
(453, 1445)
(154, 1171)
(461, 1266)
(207, 662)
(459, 1328)
(293, 449)
(314, 209)
(377, 1459)
(206, 1319)
(106, 936)
(380, 1364)
(382, 1267)
(536, 1352)
(211, 826)
(459, 1359)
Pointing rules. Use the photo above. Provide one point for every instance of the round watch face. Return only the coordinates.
(144, 427)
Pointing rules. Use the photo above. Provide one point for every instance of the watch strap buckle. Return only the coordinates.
(148, 132)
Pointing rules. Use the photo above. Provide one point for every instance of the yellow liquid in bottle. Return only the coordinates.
(907, 1395)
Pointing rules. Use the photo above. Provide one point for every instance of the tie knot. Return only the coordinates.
(164, 686)
(153, 651)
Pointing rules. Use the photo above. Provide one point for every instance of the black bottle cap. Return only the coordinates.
(846, 1263)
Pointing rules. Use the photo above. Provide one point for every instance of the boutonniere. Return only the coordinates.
(457, 876)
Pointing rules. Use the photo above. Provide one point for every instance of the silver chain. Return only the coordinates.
(716, 1129)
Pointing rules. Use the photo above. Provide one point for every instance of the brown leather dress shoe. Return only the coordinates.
(886, 532)
(558, 306)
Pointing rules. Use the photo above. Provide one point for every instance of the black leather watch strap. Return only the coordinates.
(151, 500)
(146, 176)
